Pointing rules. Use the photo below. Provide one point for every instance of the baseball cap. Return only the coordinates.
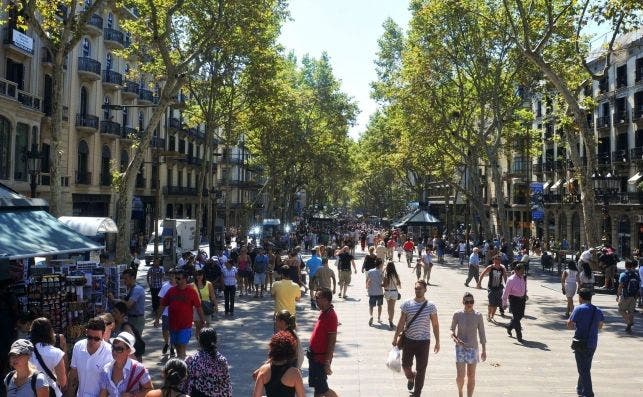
(21, 347)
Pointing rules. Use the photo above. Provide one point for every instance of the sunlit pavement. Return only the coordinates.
(543, 364)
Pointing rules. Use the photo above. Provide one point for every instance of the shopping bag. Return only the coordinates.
(394, 359)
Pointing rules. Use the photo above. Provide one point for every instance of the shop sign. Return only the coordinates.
(536, 201)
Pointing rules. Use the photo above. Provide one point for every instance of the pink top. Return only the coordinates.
(516, 286)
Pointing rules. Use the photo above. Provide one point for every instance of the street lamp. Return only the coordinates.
(34, 156)
(605, 187)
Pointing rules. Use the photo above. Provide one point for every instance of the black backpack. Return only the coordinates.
(139, 343)
(632, 284)
(33, 379)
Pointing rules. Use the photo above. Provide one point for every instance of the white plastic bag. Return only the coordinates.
(394, 359)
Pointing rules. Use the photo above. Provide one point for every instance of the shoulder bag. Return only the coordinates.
(207, 307)
(51, 376)
(402, 339)
(580, 344)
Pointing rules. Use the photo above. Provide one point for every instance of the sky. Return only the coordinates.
(348, 31)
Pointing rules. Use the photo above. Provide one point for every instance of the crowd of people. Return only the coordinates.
(109, 360)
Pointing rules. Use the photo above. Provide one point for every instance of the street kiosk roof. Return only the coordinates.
(90, 226)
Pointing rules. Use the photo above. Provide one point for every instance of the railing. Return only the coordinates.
(86, 64)
(157, 142)
(8, 39)
(129, 132)
(620, 156)
(638, 112)
(636, 153)
(603, 158)
(571, 198)
(112, 77)
(549, 165)
(560, 164)
(96, 21)
(105, 179)
(603, 122)
(146, 95)
(621, 117)
(552, 198)
(114, 35)
(83, 178)
(131, 87)
(86, 120)
(179, 191)
(140, 181)
(175, 123)
(10, 89)
(110, 127)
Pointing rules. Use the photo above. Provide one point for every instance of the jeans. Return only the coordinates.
(155, 298)
(420, 350)
(462, 256)
(517, 305)
(474, 272)
(584, 366)
(228, 294)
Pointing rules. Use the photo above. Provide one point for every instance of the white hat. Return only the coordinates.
(126, 338)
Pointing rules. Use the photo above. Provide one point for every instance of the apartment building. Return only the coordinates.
(618, 127)
(97, 139)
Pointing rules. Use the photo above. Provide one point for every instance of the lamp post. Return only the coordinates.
(34, 156)
(606, 187)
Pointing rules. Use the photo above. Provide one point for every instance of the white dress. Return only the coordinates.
(570, 283)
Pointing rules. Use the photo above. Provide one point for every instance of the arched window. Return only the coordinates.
(105, 172)
(84, 101)
(124, 160)
(110, 21)
(20, 152)
(108, 61)
(82, 173)
(34, 135)
(87, 48)
(141, 118)
(125, 117)
(107, 112)
(5, 148)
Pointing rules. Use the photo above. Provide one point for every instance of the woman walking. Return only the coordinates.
(466, 327)
(278, 377)
(391, 283)
(205, 290)
(568, 281)
(124, 376)
(208, 372)
(245, 273)
(46, 358)
(24, 380)
(229, 281)
(174, 373)
(585, 277)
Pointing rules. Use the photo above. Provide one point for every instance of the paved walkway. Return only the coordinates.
(543, 364)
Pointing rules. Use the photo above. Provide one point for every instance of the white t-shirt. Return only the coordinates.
(166, 287)
(462, 247)
(427, 259)
(89, 367)
(421, 327)
(51, 356)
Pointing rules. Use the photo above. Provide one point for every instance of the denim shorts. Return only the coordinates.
(375, 300)
(181, 336)
(317, 378)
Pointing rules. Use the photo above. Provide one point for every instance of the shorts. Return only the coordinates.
(317, 378)
(344, 277)
(466, 355)
(165, 323)
(495, 297)
(375, 300)
(391, 294)
(245, 274)
(260, 278)
(181, 336)
(627, 305)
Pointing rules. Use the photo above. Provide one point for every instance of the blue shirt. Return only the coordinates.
(136, 294)
(261, 263)
(313, 265)
(581, 316)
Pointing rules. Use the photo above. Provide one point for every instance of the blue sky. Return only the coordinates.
(348, 31)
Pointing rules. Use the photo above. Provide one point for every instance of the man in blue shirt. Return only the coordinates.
(313, 264)
(586, 319)
(260, 266)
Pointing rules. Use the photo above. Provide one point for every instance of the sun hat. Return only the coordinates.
(21, 347)
(126, 338)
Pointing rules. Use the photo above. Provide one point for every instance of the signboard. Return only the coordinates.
(536, 201)
(22, 41)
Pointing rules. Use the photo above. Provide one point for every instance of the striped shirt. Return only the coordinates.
(420, 329)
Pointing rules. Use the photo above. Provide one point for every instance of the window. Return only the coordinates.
(169, 176)
(124, 160)
(84, 99)
(15, 72)
(110, 21)
(83, 161)
(34, 136)
(105, 173)
(45, 163)
(621, 76)
(87, 48)
(108, 61)
(20, 152)
(107, 111)
(141, 118)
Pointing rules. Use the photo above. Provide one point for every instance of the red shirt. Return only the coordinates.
(391, 243)
(326, 324)
(408, 246)
(180, 303)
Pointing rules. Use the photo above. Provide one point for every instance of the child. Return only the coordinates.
(418, 268)
(399, 252)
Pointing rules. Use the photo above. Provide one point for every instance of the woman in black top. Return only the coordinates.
(278, 377)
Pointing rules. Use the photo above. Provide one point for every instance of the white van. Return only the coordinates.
(184, 236)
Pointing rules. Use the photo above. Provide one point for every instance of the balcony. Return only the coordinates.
(603, 122)
(83, 178)
(603, 158)
(179, 191)
(9, 90)
(549, 166)
(105, 179)
(114, 39)
(636, 154)
(145, 96)
(552, 198)
(570, 198)
(179, 101)
(620, 156)
(110, 129)
(88, 69)
(130, 90)
(621, 117)
(231, 158)
(112, 79)
(17, 42)
(129, 133)
(94, 25)
(176, 124)
(140, 182)
(157, 142)
(86, 123)
(560, 165)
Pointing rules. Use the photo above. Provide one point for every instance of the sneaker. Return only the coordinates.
(410, 384)
(370, 322)
(390, 325)
(165, 347)
(628, 329)
(509, 331)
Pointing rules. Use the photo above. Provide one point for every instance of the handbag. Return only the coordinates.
(580, 344)
(206, 306)
(402, 339)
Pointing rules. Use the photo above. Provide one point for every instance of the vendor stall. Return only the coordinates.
(419, 223)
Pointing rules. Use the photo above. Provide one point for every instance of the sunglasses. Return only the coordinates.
(118, 349)
(468, 302)
(94, 338)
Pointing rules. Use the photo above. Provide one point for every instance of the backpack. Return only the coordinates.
(632, 284)
(33, 379)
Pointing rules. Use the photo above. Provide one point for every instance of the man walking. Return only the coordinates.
(89, 357)
(165, 322)
(260, 266)
(155, 282)
(628, 290)
(516, 294)
(416, 315)
(324, 276)
(375, 291)
(322, 345)
(497, 274)
(180, 300)
(313, 264)
(286, 292)
(427, 264)
(586, 319)
(344, 262)
(408, 248)
(474, 267)
(134, 300)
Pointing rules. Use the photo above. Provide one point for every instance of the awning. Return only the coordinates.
(89, 226)
(633, 180)
(556, 185)
(31, 233)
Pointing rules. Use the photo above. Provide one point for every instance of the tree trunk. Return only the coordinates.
(501, 214)
(55, 171)
(200, 183)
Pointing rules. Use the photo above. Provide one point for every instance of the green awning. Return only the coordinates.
(25, 233)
